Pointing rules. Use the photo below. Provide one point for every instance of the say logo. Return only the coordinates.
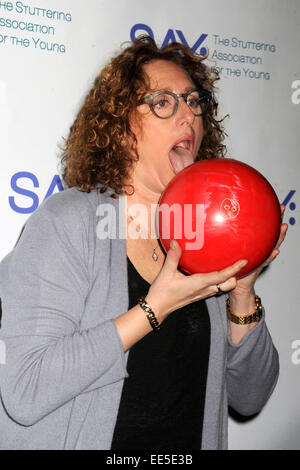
(171, 36)
(19, 181)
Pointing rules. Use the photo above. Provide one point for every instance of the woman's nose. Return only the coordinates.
(184, 114)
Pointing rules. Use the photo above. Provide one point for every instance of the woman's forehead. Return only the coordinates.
(167, 75)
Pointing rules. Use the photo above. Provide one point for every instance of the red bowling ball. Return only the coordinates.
(219, 211)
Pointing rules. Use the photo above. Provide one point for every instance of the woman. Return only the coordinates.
(84, 368)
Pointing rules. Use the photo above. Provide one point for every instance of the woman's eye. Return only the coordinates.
(162, 102)
(194, 102)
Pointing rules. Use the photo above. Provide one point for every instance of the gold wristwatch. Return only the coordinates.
(247, 318)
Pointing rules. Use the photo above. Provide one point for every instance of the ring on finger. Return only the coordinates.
(219, 289)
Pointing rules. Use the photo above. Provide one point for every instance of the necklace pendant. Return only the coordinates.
(154, 255)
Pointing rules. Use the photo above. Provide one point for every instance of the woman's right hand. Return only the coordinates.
(171, 289)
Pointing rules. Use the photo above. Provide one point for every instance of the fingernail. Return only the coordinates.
(172, 245)
(244, 262)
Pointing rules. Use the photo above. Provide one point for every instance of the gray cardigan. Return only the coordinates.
(62, 379)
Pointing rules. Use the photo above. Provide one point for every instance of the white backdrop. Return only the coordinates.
(50, 52)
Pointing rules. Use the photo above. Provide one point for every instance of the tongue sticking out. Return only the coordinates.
(180, 158)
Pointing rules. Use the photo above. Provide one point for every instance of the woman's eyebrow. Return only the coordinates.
(186, 89)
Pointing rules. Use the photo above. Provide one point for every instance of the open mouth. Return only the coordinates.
(181, 155)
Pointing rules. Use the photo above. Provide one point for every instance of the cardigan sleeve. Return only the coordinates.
(252, 370)
(44, 283)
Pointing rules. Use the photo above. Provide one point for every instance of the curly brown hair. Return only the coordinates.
(94, 155)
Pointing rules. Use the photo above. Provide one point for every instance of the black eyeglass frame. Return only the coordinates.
(205, 97)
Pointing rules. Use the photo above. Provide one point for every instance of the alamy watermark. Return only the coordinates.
(181, 222)
(295, 358)
(295, 97)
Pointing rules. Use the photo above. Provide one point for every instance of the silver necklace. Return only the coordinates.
(154, 254)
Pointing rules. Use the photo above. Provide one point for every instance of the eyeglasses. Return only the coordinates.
(164, 104)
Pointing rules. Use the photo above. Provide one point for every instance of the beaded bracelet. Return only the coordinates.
(150, 314)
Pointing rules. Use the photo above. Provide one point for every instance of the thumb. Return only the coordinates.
(173, 256)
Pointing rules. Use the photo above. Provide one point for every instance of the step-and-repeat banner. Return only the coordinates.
(50, 53)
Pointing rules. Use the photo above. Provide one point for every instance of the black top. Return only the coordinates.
(162, 402)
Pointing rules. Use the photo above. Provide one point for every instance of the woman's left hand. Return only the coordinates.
(245, 285)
